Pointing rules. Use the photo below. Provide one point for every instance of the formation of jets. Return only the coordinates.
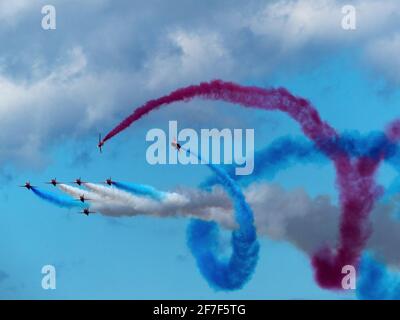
(79, 181)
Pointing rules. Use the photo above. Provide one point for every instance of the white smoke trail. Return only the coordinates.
(77, 192)
(291, 216)
(114, 202)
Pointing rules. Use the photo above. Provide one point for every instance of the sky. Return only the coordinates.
(60, 88)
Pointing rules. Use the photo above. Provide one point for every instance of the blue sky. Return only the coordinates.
(59, 88)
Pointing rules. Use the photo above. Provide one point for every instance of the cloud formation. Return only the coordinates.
(82, 74)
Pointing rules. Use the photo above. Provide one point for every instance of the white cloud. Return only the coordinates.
(384, 54)
(298, 28)
(12, 11)
(295, 23)
(69, 100)
(199, 56)
(75, 80)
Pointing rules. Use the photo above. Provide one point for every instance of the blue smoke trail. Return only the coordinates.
(58, 201)
(376, 282)
(287, 151)
(235, 272)
(140, 189)
(279, 155)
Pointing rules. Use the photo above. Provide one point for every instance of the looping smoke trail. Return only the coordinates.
(252, 97)
(141, 190)
(375, 278)
(54, 199)
(355, 177)
(234, 273)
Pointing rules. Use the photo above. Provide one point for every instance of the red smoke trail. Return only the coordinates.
(355, 177)
(358, 193)
(251, 97)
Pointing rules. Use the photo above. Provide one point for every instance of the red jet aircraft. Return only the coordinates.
(27, 185)
(54, 182)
